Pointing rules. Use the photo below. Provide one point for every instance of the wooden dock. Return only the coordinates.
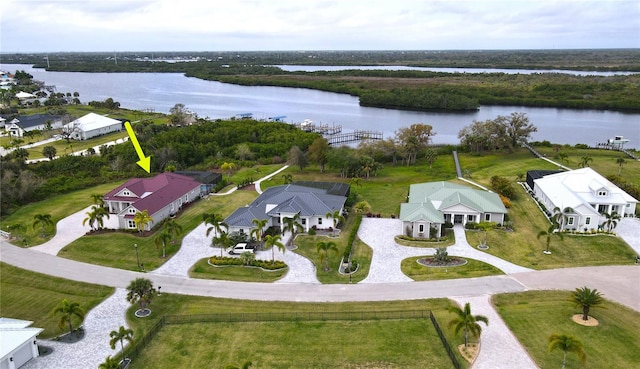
(323, 129)
(354, 136)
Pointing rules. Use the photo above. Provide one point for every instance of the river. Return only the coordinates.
(209, 99)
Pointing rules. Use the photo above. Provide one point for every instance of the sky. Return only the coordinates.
(258, 25)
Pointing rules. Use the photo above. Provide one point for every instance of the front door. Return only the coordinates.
(457, 218)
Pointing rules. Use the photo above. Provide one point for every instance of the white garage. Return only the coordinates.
(18, 342)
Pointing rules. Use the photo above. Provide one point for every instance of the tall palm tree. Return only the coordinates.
(273, 241)
(620, 161)
(68, 311)
(561, 216)
(323, 248)
(548, 233)
(584, 160)
(258, 231)
(140, 291)
(337, 218)
(292, 225)
(216, 221)
(91, 218)
(44, 220)
(110, 363)
(222, 240)
(173, 228)
(141, 219)
(97, 199)
(612, 220)
(120, 335)
(586, 298)
(96, 215)
(567, 344)
(464, 320)
(162, 239)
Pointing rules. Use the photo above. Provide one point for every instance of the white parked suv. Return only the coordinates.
(240, 248)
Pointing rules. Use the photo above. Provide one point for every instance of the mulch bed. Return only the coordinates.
(453, 262)
(74, 337)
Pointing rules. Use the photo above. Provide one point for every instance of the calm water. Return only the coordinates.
(161, 91)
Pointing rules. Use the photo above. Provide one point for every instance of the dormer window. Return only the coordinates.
(602, 193)
(126, 193)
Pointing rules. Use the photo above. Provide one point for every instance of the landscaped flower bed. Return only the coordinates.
(263, 264)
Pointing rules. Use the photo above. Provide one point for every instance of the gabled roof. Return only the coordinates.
(28, 121)
(580, 186)
(92, 121)
(153, 194)
(290, 199)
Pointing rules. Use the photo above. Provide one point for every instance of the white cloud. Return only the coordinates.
(97, 25)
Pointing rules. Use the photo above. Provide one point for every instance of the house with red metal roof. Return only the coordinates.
(161, 196)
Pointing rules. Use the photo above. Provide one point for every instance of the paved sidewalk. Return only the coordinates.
(629, 230)
(499, 348)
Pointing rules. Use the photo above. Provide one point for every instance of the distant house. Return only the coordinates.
(432, 204)
(310, 200)
(92, 125)
(162, 196)
(25, 123)
(18, 342)
(588, 193)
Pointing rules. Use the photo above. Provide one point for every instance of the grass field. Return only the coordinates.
(292, 344)
(32, 296)
(534, 316)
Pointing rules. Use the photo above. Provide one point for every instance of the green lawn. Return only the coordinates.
(58, 207)
(472, 269)
(234, 272)
(63, 147)
(32, 296)
(522, 246)
(298, 344)
(117, 249)
(534, 316)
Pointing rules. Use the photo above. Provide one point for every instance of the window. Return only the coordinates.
(132, 211)
(126, 193)
(421, 228)
(172, 207)
(602, 193)
(319, 220)
(570, 221)
(131, 224)
(487, 217)
(186, 198)
(602, 209)
(587, 220)
(304, 221)
(471, 218)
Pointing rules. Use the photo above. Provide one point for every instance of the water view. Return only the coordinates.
(161, 91)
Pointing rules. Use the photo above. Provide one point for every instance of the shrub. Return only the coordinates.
(505, 201)
(352, 237)
(312, 232)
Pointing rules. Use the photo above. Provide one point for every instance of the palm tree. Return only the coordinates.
(620, 161)
(91, 218)
(585, 159)
(110, 363)
(292, 225)
(247, 258)
(273, 241)
(44, 220)
(222, 240)
(362, 207)
(466, 321)
(567, 344)
(216, 221)
(141, 219)
(612, 220)
(68, 311)
(563, 157)
(173, 228)
(162, 239)
(258, 231)
(337, 218)
(548, 233)
(323, 248)
(287, 178)
(120, 335)
(95, 216)
(560, 216)
(140, 290)
(586, 299)
(97, 199)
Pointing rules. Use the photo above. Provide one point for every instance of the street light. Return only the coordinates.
(137, 257)
(349, 271)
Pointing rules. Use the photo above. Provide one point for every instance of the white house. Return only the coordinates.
(21, 124)
(161, 196)
(92, 125)
(432, 204)
(585, 191)
(18, 342)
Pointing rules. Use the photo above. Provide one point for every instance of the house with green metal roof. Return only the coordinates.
(432, 204)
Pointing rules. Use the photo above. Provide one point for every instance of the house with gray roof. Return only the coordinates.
(311, 201)
(432, 204)
(161, 196)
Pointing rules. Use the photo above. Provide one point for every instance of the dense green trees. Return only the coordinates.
(501, 133)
